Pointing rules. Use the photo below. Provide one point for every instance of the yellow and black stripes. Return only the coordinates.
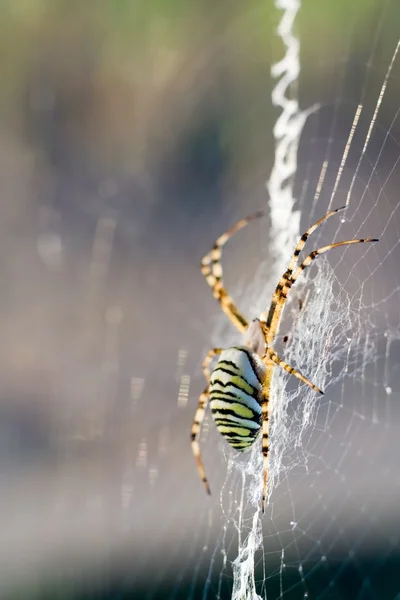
(271, 355)
(212, 270)
(308, 260)
(207, 360)
(265, 436)
(198, 420)
(287, 276)
(279, 298)
(271, 323)
(239, 386)
(302, 241)
(199, 417)
(235, 396)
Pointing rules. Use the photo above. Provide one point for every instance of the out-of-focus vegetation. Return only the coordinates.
(120, 80)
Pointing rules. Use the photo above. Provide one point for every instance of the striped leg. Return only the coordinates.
(278, 301)
(265, 447)
(302, 241)
(212, 270)
(265, 429)
(307, 261)
(206, 362)
(272, 355)
(294, 260)
(199, 417)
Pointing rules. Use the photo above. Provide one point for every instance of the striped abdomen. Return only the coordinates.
(235, 396)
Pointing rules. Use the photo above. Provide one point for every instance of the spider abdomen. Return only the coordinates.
(236, 395)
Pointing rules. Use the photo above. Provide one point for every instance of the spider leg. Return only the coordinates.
(212, 270)
(280, 295)
(199, 417)
(271, 359)
(207, 360)
(270, 324)
(265, 429)
(308, 260)
(302, 241)
(272, 355)
(198, 420)
(294, 260)
(265, 443)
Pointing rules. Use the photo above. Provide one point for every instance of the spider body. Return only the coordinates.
(238, 388)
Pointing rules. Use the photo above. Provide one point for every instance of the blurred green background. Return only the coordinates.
(116, 88)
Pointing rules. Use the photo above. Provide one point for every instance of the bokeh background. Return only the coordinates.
(131, 134)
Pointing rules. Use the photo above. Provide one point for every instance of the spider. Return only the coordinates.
(238, 388)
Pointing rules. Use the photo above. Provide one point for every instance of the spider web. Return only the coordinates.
(332, 501)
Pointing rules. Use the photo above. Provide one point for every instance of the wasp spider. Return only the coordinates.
(238, 388)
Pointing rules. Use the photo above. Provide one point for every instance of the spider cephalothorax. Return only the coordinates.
(238, 388)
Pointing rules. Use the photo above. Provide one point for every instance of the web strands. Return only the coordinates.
(333, 340)
(325, 342)
(320, 344)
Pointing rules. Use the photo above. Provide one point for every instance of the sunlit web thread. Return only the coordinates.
(335, 350)
(373, 170)
(334, 123)
(373, 120)
(372, 123)
(285, 226)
